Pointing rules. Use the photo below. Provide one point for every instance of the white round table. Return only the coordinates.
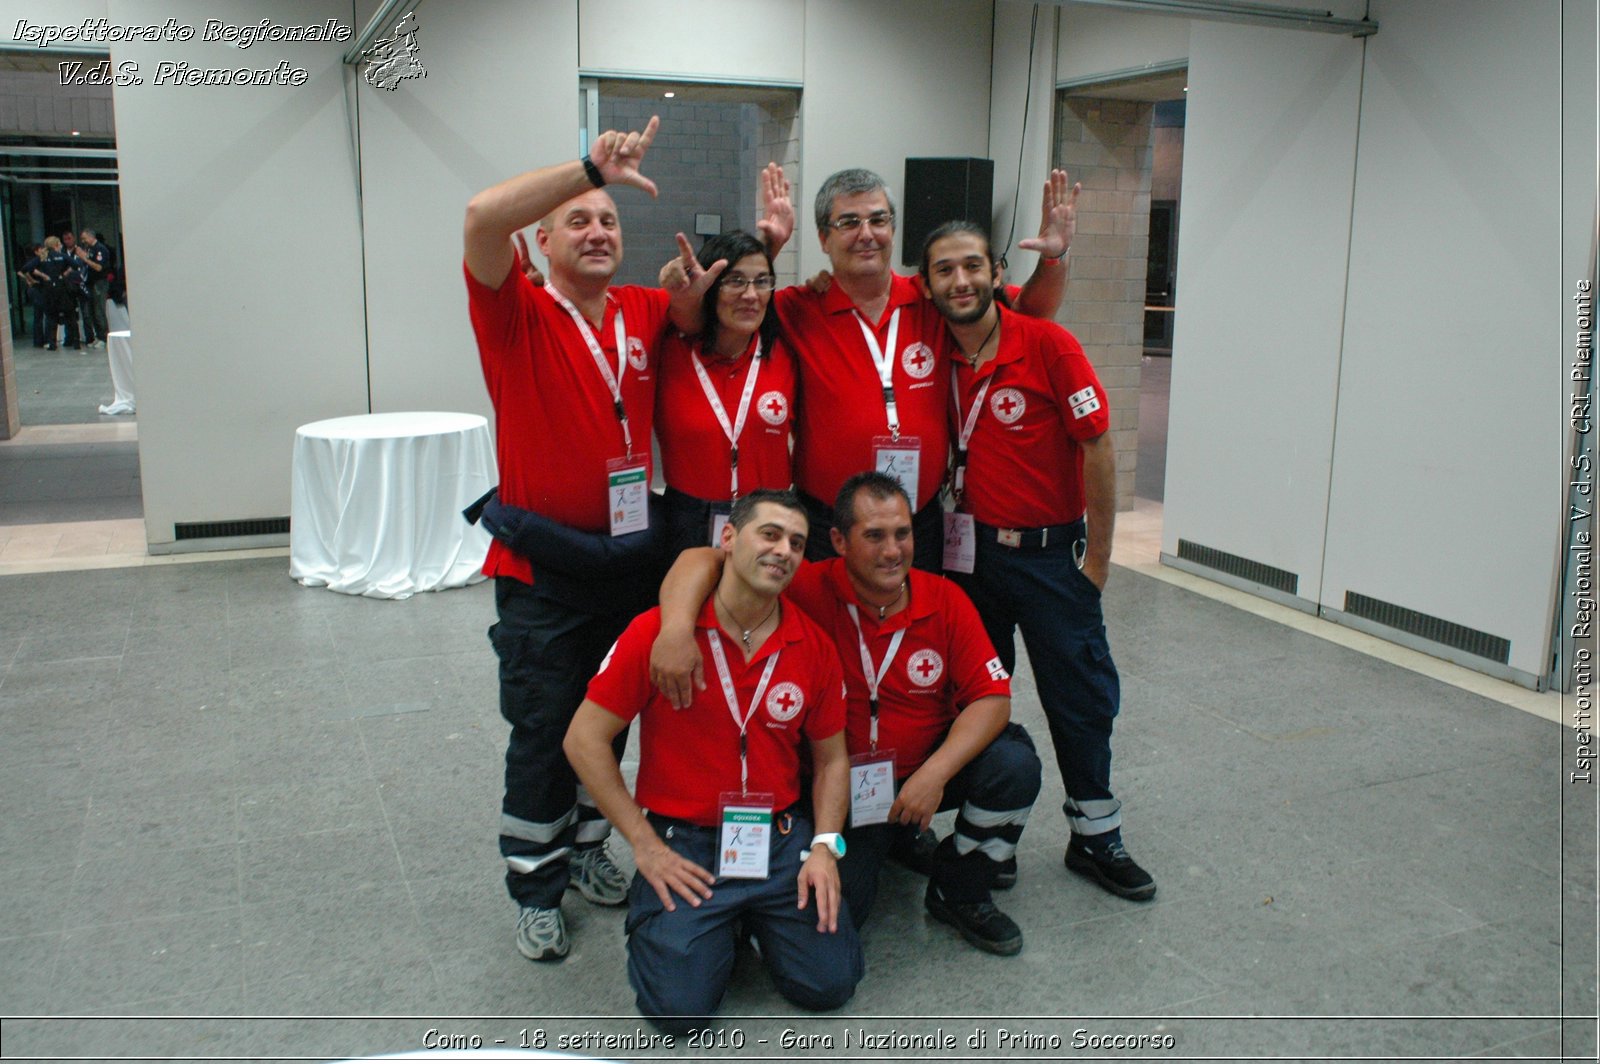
(376, 500)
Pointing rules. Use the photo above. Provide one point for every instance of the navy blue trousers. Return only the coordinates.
(1042, 592)
(679, 962)
(548, 654)
(995, 792)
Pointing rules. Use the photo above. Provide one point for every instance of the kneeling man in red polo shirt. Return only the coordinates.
(718, 837)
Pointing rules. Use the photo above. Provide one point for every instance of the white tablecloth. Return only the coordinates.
(119, 352)
(376, 500)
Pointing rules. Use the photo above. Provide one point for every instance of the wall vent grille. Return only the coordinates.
(259, 526)
(1433, 629)
(1244, 568)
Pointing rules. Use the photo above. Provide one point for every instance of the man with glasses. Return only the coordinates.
(872, 392)
(570, 372)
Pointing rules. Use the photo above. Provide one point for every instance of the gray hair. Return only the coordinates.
(847, 183)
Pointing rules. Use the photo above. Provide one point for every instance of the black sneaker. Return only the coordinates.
(1109, 865)
(980, 923)
(1006, 878)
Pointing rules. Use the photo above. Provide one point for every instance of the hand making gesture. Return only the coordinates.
(777, 209)
(617, 155)
(1059, 217)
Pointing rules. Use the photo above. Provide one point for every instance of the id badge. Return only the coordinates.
(628, 491)
(871, 788)
(718, 523)
(901, 459)
(960, 541)
(746, 836)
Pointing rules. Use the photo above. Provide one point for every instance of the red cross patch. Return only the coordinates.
(785, 701)
(925, 667)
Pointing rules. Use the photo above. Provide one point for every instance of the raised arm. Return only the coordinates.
(1041, 296)
(588, 748)
(675, 665)
(496, 213)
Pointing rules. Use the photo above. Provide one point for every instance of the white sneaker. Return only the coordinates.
(542, 934)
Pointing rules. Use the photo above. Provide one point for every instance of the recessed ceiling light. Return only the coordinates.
(668, 95)
(75, 133)
(1186, 88)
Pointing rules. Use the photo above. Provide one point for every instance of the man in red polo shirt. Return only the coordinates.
(571, 374)
(872, 394)
(929, 708)
(1036, 497)
(724, 846)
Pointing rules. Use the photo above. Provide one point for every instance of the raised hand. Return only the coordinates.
(617, 155)
(1058, 218)
(684, 277)
(525, 261)
(777, 209)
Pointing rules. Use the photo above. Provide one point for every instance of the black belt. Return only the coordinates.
(1033, 538)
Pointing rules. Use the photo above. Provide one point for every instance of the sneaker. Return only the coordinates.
(596, 876)
(1006, 878)
(97, 343)
(1109, 865)
(542, 934)
(979, 922)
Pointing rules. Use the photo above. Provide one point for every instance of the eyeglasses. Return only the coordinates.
(738, 282)
(849, 223)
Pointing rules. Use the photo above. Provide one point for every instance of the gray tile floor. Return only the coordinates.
(61, 387)
(228, 796)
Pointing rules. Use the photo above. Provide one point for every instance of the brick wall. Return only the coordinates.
(695, 165)
(1105, 144)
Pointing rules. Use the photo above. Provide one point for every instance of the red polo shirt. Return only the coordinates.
(841, 397)
(1024, 465)
(944, 663)
(694, 449)
(555, 425)
(689, 757)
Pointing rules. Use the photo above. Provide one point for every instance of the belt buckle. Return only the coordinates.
(1009, 537)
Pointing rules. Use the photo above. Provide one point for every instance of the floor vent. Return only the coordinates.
(1244, 568)
(1433, 629)
(260, 526)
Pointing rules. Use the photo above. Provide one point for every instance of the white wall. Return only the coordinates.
(426, 148)
(1097, 41)
(1009, 95)
(1268, 170)
(1449, 407)
(885, 81)
(243, 255)
(728, 40)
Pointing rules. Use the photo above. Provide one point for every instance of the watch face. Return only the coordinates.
(838, 845)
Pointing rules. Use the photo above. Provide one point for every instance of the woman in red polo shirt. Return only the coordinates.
(725, 399)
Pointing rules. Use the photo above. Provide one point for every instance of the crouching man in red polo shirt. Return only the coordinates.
(717, 833)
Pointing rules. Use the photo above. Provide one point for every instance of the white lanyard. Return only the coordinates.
(734, 431)
(613, 380)
(959, 483)
(884, 360)
(874, 675)
(721, 661)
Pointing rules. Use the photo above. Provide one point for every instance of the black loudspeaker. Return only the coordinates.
(939, 191)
